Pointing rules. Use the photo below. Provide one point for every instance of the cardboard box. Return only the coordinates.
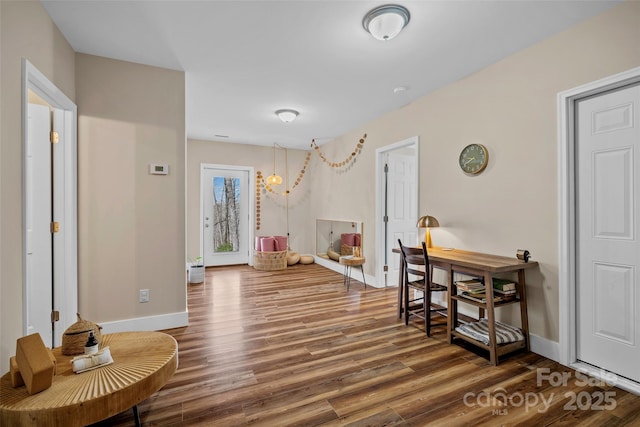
(34, 363)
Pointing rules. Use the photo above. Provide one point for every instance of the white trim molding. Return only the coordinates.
(149, 323)
(567, 354)
(65, 282)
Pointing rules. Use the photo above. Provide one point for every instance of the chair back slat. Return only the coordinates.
(413, 257)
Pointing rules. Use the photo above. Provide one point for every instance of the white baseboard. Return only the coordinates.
(151, 323)
(545, 347)
(551, 350)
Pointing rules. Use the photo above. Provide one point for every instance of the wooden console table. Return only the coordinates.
(484, 266)
(143, 362)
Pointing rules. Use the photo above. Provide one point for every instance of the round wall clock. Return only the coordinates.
(473, 159)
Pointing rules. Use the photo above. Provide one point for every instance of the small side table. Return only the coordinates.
(350, 261)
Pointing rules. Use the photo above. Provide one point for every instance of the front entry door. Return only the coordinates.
(608, 217)
(225, 215)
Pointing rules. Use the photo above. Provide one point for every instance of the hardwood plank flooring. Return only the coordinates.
(294, 348)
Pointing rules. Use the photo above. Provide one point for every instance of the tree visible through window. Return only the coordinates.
(226, 214)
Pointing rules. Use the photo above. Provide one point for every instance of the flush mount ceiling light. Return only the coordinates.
(287, 115)
(386, 22)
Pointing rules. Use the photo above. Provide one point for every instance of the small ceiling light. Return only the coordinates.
(287, 115)
(386, 22)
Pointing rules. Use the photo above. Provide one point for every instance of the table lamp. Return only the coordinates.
(427, 222)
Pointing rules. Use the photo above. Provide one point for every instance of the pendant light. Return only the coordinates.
(274, 179)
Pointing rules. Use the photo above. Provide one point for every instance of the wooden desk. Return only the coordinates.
(484, 266)
(143, 362)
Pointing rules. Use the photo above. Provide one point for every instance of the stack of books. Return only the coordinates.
(481, 297)
(504, 287)
(474, 289)
(472, 286)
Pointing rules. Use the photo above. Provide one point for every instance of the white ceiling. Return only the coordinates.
(245, 59)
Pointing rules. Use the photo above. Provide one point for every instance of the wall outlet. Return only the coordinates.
(144, 295)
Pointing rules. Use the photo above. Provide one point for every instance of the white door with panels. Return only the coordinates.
(608, 217)
(401, 171)
(38, 212)
(225, 215)
(50, 252)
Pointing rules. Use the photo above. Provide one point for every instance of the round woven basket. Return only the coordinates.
(76, 335)
(270, 261)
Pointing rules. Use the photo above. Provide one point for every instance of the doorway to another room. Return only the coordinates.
(600, 212)
(50, 258)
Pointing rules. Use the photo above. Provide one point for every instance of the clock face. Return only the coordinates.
(473, 159)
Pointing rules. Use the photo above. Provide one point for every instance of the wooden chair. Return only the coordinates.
(412, 258)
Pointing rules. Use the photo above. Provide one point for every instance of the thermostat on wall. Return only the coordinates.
(158, 169)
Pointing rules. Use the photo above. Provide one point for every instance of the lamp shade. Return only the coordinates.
(274, 179)
(427, 221)
(287, 115)
(386, 22)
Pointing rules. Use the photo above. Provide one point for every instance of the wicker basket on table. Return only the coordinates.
(346, 249)
(75, 337)
(269, 261)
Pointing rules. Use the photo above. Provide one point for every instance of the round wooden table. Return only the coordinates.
(350, 261)
(143, 362)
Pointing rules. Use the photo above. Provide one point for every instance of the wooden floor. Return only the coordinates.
(293, 348)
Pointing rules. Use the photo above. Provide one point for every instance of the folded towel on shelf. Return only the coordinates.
(480, 331)
(91, 361)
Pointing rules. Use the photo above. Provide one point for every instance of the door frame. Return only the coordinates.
(567, 261)
(379, 211)
(250, 216)
(65, 258)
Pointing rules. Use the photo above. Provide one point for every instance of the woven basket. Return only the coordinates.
(76, 335)
(270, 261)
(346, 249)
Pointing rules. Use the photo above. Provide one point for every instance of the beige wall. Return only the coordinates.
(272, 206)
(131, 224)
(26, 32)
(511, 108)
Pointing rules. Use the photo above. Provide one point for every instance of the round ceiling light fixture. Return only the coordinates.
(287, 115)
(386, 22)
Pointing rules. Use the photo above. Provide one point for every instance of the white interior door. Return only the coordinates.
(225, 215)
(38, 212)
(396, 204)
(402, 205)
(608, 249)
(50, 194)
